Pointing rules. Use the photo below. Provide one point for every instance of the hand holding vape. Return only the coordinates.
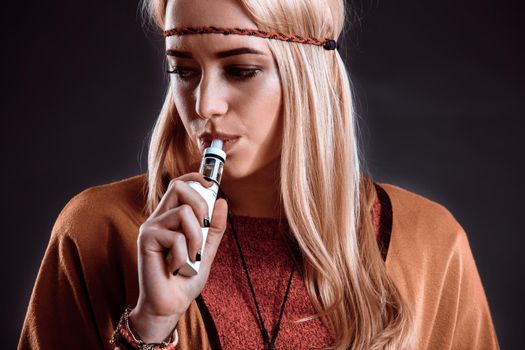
(211, 167)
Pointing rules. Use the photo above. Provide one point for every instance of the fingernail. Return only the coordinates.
(198, 257)
(176, 272)
(206, 222)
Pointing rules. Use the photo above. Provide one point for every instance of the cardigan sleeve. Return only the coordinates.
(463, 290)
(88, 274)
(60, 314)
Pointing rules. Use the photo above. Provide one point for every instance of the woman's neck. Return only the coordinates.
(257, 195)
(248, 199)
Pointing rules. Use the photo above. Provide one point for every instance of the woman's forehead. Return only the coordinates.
(194, 13)
(213, 45)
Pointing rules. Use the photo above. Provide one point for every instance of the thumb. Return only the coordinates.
(216, 231)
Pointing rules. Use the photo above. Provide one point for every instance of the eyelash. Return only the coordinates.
(242, 74)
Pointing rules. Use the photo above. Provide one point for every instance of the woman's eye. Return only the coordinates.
(243, 74)
(234, 73)
(182, 73)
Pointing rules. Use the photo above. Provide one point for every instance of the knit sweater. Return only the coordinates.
(266, 250)
(88, 276)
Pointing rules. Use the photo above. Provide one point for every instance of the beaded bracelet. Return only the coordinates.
(126, 332)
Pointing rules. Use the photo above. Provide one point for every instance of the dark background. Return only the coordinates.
(440, 90)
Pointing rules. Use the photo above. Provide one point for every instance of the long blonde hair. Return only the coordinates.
(326, 201)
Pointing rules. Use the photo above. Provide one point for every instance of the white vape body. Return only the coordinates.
(211, 167)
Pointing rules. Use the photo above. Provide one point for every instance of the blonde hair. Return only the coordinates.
(326, 202)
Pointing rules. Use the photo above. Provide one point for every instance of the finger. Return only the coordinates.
(215, 233)
(171, 199)
(183, 219)
(158, 241)
(219, 216)
(179, 253)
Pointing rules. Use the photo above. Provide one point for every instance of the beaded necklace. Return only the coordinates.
(269, 343)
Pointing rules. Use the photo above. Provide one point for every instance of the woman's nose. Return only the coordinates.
(210, 98)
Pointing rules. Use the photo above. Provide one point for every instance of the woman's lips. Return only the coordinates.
(226, 146)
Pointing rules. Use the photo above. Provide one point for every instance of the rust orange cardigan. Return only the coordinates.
(89, 274)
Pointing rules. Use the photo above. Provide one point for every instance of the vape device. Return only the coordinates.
(211, 167)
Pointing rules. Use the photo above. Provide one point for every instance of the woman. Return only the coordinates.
(303, 250)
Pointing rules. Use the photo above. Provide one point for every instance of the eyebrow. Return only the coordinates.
(220, 54)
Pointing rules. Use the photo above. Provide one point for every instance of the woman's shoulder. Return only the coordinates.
(109, 199)
(410, 203)
(422, 224)
(103, 208)
(430, 261)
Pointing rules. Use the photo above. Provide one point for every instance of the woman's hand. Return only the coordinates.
(170, 236)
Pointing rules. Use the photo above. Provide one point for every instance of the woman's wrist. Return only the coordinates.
(152, 329)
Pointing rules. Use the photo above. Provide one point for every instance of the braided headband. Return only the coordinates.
(327, 44)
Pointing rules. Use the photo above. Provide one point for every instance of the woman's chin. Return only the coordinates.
(228, 176)
(232, 174)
